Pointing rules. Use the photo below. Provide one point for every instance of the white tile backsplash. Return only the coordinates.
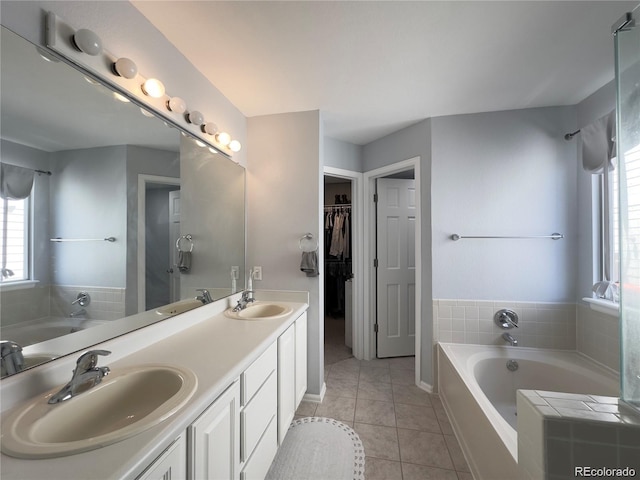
(543, 325)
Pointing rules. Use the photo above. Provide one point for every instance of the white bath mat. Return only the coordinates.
(317, 448)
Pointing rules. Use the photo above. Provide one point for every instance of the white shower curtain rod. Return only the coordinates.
(553, 236)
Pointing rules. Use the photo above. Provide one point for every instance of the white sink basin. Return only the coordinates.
(180, 306)
(127, 402)
(261, 311)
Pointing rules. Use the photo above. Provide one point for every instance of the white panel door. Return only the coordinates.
(395, 280)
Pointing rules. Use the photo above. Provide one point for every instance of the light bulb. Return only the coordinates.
(87, 41)
(176, 104)
(210, 128)
(235, 146)
(196, 117)
(125, 67)
(223, 138)
(153, 88)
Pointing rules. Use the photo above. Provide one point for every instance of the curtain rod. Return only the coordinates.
(569, 136)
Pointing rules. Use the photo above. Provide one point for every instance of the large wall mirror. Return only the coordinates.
(111, 220)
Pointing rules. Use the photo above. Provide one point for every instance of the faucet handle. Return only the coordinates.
(89, 360)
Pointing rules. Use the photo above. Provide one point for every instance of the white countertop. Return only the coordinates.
(216, 348)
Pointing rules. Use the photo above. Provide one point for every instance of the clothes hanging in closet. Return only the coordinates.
(338, 260)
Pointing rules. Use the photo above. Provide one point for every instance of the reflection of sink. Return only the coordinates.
(180, 306)
(261, 311)
(126, 403)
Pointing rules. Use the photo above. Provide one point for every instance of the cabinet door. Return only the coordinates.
(171, 465)
(301, 358)
(214, 443)
(286, 381)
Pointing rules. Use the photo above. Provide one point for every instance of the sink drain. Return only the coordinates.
(512, 365)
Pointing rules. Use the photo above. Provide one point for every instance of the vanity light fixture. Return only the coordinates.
(235, 146)
(122, 74)
(210, 128)
(223, 138)
(153, 87)
(196, 117)
(176, 104)
(125, 67)
(87, 41)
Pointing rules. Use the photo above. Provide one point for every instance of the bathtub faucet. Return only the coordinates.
(78, 313)
(509, 338)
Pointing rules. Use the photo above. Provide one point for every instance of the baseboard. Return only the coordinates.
(312, 397)
(425, 386)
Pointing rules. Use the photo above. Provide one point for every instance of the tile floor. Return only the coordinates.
(405, 431)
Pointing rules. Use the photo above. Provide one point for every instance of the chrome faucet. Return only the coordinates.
(11, 356)
(247, 297)
(205, 297)
(85, 376)
(507, 337)
(78, 313)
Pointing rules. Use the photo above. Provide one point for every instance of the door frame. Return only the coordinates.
(357, 255)
(370, 251)
(143, 180)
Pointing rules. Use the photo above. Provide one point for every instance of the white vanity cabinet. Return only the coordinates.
(292, 373)
(170, 465)
(214, 439)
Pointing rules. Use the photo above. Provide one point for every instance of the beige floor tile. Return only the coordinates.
(342, 387)
(339, 408)
(346, 374)
(459, 462)
(306, 409)
(375, 375)
(411, 471)
(375, 412)
(405, 363)
(445, 425)
(402, 376)
(378, 441)
(379, 469)
(375, 391)
(375, 363)
(424, 448)
(410, 395)
(416, 417)
(464, 476)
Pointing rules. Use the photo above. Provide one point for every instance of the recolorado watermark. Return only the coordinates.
(604, 472)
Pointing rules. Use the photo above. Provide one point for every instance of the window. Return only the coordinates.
(631, 217)
(14, 240)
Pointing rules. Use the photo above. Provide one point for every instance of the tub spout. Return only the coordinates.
(509, 338)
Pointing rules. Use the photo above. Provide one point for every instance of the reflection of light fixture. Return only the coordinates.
(213, 150)
(146, 113)
(46, 55)
(153, 88)
(176, 104)
(235, 146)
(91, 81)
(196, 117)
(223, 138)
(210, 128)
(120, 97)
(87, 41)
(125, 67)
(200, 143)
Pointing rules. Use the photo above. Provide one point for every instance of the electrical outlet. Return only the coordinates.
(257, 273)
(235, 272)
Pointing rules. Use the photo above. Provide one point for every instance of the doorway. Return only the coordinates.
(338, 268)
(158, 230)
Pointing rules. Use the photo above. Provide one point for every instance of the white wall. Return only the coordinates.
(504, 173)
(345, 155)
(88, 200)
(284, 192)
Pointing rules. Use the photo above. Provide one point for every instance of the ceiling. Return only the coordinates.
(373, 68)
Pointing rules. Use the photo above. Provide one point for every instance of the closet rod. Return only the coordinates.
(340, 205)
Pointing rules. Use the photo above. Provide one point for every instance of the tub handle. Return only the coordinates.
(506, 318)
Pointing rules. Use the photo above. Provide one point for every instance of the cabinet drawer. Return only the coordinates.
(256, 416)
(254, 376)
(259, 463)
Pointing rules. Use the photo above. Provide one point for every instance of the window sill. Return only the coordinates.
(24, 284)
(603, 306)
